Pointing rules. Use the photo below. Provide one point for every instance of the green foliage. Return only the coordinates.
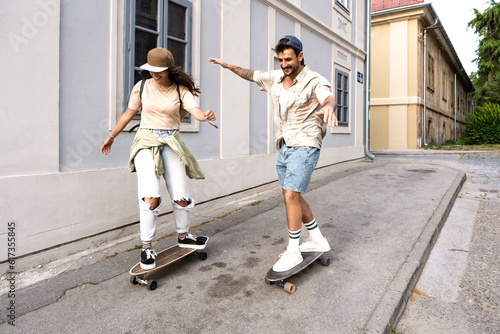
(487, 79)
(483, 126)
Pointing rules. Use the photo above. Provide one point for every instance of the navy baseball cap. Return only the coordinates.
(292, 41)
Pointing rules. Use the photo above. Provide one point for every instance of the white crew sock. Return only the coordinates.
(293, 239)
(314, 232)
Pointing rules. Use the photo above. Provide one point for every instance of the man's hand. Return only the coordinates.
(328, 111)
(218, 61)
(246, 74)
(328, 114)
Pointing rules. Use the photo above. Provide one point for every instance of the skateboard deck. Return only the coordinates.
(163, 259)
(279, 278)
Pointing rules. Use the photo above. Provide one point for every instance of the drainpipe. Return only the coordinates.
(368, 11)
(455, 107)
(424, 120)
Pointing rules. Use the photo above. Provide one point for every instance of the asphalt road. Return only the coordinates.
(381, 219)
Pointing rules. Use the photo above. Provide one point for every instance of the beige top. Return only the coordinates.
(295, 121)
(160, 107)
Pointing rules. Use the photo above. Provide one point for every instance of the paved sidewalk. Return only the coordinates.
(381, 219)
(459, 289)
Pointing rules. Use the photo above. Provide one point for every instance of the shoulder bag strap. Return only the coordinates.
(140, 95)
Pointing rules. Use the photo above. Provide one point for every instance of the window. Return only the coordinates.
(461, 103)
(445, 88)
(342, 96)
(452, 91)
(345, 4)
(158, 23)
(430, 72)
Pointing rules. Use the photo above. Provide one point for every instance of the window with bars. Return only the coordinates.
(342, 97)
(158, 23)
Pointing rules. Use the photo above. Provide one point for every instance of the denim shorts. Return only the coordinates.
(295, 166)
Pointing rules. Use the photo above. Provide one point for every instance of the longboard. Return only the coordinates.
(279, 278)
(163, 259)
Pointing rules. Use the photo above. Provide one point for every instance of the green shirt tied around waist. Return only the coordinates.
(145, 139)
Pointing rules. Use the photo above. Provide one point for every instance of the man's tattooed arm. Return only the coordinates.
(242, 72)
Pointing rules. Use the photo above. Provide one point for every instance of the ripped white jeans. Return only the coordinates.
(148, 185)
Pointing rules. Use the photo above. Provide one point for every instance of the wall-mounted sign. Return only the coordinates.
(360, 77)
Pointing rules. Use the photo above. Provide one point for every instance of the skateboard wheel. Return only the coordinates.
(289, 287)
(325, 261)
(133, 280)
(203, 256)
(152, 285)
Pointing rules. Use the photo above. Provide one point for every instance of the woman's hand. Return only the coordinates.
(106, 145)
(120, 125)
(209, 115)
(201, 115)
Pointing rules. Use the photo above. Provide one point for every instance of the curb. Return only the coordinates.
(391, 306)
(427, 152)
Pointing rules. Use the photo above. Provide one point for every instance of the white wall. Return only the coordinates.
(29, 86)
(54, 183)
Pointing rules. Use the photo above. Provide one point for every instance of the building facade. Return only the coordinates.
(67, 71)
(418, 85)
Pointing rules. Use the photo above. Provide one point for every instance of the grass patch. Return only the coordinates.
(451, 145)
(396, 331)
(110, 256)
(165, 236)
(229, 213)
(224, 215)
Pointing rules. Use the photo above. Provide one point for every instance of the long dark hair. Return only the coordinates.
(181, 78)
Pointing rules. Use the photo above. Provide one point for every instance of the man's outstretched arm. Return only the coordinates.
(246, 74)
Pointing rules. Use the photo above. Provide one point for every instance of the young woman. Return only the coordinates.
(158, 150)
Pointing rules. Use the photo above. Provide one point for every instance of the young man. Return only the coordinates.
(304, 105)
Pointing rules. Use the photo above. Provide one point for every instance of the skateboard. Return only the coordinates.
(163, 259)
(279, 278)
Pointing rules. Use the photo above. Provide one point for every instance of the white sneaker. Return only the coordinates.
(313, 246)
(289, 259)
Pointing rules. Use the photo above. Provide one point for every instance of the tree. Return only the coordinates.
(487, 78)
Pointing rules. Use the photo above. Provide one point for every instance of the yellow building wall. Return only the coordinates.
(411, 134)
(394, 79)
(380, 63)
(379, 127)
(413, 58)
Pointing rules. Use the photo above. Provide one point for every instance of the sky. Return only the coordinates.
(454, 16)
